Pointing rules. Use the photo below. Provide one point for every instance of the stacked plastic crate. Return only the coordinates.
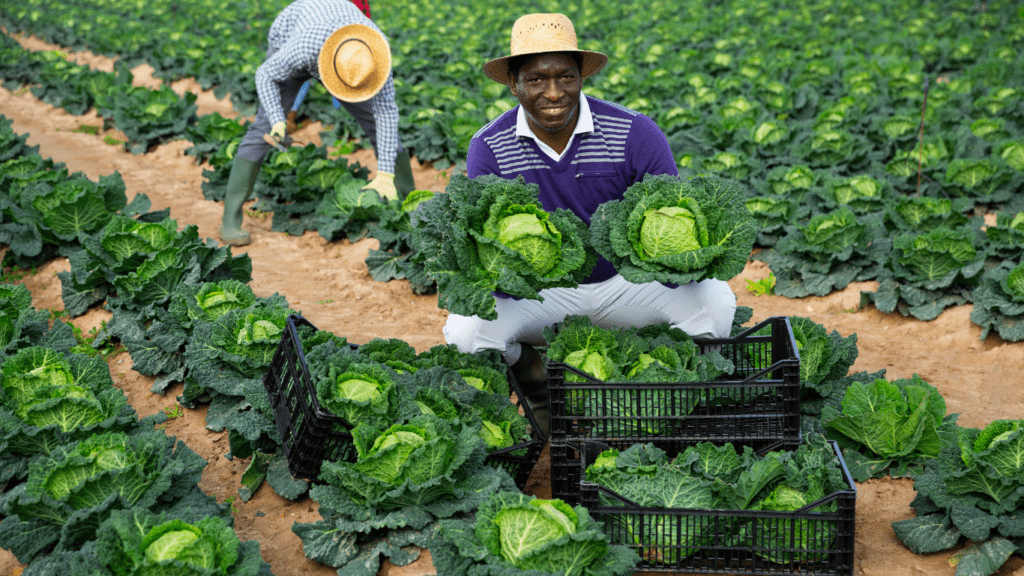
(757, 406)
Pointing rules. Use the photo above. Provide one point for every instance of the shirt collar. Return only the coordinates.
(584, 125)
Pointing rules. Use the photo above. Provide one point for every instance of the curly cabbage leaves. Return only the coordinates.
(514, 533)
(411, 464)
(139, 541)
(889, 427)
(69, 492)
(491, 235)
(974, 489)
(670, 230)
(708, 477)
(999, 303)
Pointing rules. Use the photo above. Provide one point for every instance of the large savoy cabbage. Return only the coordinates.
(491, 234)
(667, 229)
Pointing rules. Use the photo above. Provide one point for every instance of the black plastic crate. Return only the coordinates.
(310, 434)
(758, 405)
(732, 541)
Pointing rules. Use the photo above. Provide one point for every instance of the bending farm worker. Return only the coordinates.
(335, 43)
(364, 7)
(581, 152)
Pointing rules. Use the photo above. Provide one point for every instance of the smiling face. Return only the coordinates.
(548, 88)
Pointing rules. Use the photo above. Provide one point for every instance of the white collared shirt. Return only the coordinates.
(584, 125)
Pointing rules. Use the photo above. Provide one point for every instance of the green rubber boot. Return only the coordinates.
(403, 175)
(532, 375)
(240, 182)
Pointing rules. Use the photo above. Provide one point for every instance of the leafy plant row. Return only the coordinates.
(304, 188)
(218, 337)
(755, 86)
(85, 484)
(802, 208)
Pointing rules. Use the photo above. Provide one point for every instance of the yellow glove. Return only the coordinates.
(278, 131)
(384, 185)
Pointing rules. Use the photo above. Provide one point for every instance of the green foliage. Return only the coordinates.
(513, 533)
(999, 302)
(396, 256)
(652, 354)
(763, 287)
(827, 253)
(462, 235)
(235, 347)
(972, 490)
(671, 230)
(348, 211)
(138, 541)
(889, 427)
(71, 491)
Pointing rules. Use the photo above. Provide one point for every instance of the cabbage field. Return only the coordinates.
(879, 152)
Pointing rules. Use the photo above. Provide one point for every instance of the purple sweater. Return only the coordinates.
(599, 166)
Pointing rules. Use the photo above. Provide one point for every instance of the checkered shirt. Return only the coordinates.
(298, 33)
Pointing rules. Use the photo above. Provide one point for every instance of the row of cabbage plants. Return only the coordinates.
(761, 85)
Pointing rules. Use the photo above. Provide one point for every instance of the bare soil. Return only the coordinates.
(329, 283)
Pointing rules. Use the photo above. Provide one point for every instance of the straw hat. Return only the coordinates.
(354, 63)
(539, 33)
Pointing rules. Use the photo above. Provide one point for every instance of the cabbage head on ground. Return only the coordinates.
(490, 234)
(518, 534)
(667, 229)
(973, 489)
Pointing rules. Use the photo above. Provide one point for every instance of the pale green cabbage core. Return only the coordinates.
(400, 437)
(530, 237)
(168, 546)
(640, 365)
(496, 436)
(593, 363)
(667, 231)
(524, 530)
(62, 480)
(475, 382)
(1018, 222)
(1015, 281)
(354, 387)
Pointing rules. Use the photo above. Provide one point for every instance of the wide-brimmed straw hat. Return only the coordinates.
(540, 33)
(354, 63)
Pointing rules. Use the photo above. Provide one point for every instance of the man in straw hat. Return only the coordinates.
(581, 152)
(334, 42)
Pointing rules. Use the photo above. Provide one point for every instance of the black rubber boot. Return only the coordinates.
(532, 375)
(403, 175)
(240, 183)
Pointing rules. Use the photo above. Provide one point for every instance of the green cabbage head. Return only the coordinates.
(665, 229)
(141, 542)
(525, 229)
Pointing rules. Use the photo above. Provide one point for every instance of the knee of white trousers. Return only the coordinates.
(720, 300)
(466, 334)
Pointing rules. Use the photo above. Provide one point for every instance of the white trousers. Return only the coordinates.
(701, 309)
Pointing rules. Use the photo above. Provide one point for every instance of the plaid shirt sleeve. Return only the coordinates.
(296, 59)
(385, 115)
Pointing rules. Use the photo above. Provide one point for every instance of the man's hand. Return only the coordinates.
(384, 185)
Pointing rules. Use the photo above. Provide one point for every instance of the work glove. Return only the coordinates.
(384, 185)
(278, 137)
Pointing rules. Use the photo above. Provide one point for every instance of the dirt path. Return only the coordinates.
(329, 283)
